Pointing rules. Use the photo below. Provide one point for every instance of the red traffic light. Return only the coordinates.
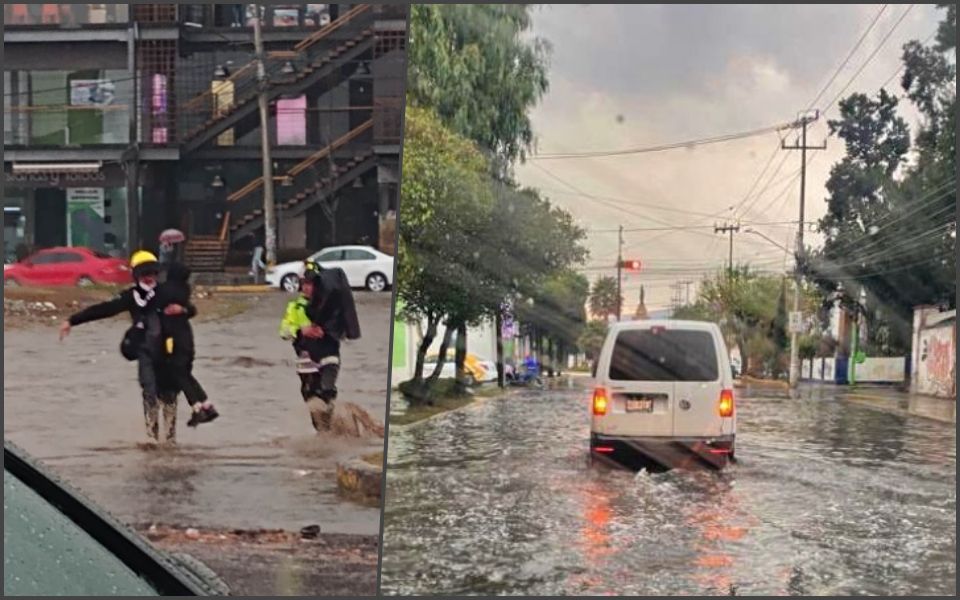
(630, 265)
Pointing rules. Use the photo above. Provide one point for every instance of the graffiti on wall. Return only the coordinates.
(937, 374)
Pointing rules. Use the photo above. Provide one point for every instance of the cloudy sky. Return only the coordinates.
(632, 76)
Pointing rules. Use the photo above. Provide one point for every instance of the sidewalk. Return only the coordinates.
(903, 403)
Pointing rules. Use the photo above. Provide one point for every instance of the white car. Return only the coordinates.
(365, 267)
(664, 395)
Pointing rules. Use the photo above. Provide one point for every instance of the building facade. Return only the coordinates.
(123, 120)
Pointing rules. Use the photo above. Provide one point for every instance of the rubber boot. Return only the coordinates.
(169, 404)
(151, 418)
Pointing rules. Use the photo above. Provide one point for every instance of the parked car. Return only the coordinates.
(664, 395)
(365, 267)
(68, 266)
(56, 543)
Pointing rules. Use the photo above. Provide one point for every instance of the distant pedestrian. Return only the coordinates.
(257, 266)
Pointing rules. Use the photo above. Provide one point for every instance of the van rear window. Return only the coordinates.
(664, 355)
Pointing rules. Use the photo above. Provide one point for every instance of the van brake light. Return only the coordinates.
(725, 408)
(600, 401)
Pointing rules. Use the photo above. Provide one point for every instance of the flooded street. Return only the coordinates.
(76, 406)
(828, 497)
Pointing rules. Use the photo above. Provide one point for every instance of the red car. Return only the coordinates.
(68, 266)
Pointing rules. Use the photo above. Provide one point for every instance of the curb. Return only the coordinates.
(889, 405)
(476, 401)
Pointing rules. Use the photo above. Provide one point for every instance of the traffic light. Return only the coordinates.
(630, 265)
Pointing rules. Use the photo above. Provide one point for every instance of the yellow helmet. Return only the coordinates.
(142, 257)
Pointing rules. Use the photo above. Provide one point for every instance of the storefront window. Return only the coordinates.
(56, 108)
(64, 14)
(14, 223)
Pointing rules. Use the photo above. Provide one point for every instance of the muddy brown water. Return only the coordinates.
(76, 406)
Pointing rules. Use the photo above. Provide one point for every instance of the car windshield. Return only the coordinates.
(653, 355)
(47, 554)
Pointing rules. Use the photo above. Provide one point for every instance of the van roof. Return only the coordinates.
(666, 323)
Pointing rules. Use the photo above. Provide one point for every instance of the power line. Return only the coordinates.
(670, 146)
(869, 58)
(850, 54)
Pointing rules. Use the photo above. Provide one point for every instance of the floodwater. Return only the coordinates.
(827, 497)
(76, 406)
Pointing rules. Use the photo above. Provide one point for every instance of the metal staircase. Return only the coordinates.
(289, 71)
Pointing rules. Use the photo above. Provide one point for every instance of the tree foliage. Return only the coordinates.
(751, 310)
(890, 226)
(479, 68)
(604, 300)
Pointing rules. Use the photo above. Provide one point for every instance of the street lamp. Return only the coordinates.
(764, 236)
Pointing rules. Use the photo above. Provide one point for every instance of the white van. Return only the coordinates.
(664, 394)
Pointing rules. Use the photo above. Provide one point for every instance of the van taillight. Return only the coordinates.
(726, 403)
(600, 401)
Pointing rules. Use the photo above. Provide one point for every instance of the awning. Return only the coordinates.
(73, 167)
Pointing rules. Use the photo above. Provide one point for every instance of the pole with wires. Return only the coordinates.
(796, 318)
(269, 215)
(619, 272)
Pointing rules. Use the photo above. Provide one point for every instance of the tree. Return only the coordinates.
(604, 300)
(446, 202)
(890, 225)
(591, 338)
(479, 68)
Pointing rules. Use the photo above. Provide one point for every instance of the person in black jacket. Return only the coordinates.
(333, 316)
(178, 343)
(140, 301)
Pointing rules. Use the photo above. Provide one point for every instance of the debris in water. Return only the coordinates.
(310, 532)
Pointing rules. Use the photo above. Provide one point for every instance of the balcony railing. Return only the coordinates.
(64, 15)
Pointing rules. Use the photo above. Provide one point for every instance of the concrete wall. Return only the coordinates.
(934, 352)
(882, 370)
(873, 370)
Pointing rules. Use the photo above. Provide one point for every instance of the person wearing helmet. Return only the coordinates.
(297, 328)
(333, 316)
(322, 315)
(141, 342)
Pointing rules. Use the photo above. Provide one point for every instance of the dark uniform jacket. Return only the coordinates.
(332, 308)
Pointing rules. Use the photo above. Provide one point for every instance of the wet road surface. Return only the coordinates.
(76, 406)
(828, 497)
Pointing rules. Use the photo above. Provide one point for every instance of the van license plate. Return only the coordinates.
(640, 405)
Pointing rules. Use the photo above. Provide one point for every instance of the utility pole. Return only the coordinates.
(805, 119)
(269, 216)
(731, 229)
(619, 271)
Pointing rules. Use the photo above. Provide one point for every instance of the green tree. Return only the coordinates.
(446, 202)
(591, 338)
(890, 225)
(604, 300)
(478, 66)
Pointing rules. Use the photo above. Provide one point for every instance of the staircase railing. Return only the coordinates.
(241, 86)
(306, 163)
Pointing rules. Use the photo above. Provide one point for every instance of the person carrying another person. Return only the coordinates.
(316, 322)
(140, 301)
(178, 344)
